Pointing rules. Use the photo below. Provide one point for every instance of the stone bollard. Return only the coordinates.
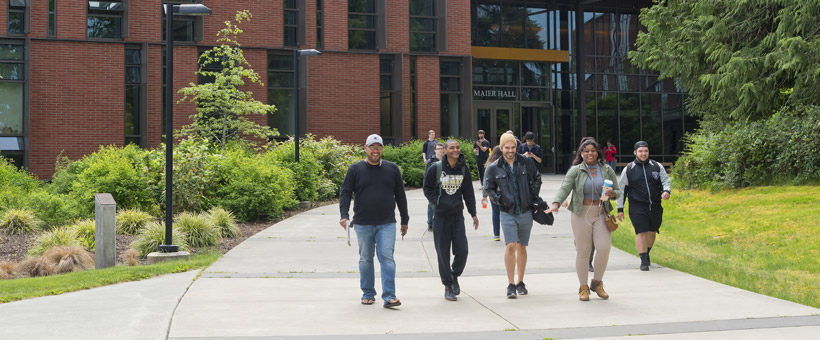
(105, 230)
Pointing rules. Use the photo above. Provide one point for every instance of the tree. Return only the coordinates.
(221, 104)
(739, 60)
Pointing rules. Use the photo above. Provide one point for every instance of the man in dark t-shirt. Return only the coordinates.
(428, 150)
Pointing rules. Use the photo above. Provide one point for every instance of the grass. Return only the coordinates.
(762, 239)
(25, 288)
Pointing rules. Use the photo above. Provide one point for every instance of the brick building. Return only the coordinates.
(75, 75)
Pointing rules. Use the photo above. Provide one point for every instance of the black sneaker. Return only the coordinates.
(511, 291)
(456, 287)
(448, 293)
(644, 261)
(521, 288)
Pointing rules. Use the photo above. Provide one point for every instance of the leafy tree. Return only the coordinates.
(221, 104)
(739, 60)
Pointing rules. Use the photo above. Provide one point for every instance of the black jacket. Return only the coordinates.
(455, 187)
(499, 189)
(643, 183)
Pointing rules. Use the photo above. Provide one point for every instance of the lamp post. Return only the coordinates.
(170, 11)
(296, 54)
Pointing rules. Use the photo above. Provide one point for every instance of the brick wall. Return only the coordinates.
(79, 115)
(428, 95)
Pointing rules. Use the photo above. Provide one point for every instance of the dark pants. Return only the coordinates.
(447, 231)
(496, 219)
(480, 166)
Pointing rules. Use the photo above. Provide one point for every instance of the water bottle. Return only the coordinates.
(607, 184)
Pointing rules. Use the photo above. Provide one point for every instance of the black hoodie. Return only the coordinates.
(455, 187)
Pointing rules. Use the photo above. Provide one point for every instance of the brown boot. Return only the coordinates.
(583, 293)
(598, 288)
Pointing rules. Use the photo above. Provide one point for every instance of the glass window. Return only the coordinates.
(592, 122)
(386, 101)
(450, 73)
(536, 27)
(630, 124)
(651, 122)
(291, 22)
(512, 25)
(362, 24)
(11, 89)
(282, 94)
(104, 19)
(133, 98)
(320, 37)
(672, 123)
(414, 100)
(184, 26)
(52, 18)
(534, 74)
(607, 117)
(486, 26)
(16, 17)
(422, 25)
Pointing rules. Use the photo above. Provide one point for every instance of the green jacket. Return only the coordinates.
(574, 182)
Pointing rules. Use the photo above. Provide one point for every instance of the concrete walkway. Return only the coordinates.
(299, 279)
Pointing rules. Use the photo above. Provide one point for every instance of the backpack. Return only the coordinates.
(438, 181)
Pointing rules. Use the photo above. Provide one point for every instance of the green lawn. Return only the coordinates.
(763, 239)
(19, 289)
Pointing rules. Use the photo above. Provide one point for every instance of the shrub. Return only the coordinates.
(54, 209)
(18, 179)
(327, 190)
(224, 221)
(195, 175)
(131, 256)
(333, 157)
(152, 236)
(252, 188)
(19, 222)
(307, 171)
(408, 158)
(7, 270)
(131, 221)
(778, 150)
(84, 232)
(36, 266)
(69, 259)
(53, 238)
(198, 230)
(115, 170)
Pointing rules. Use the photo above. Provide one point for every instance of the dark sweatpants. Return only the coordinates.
(449, 230)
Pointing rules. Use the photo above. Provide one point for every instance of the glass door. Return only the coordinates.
(494, 119)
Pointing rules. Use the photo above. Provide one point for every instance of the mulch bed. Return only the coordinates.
(14, 248)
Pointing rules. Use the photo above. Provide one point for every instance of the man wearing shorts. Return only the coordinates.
(645, 182)
(513, 182)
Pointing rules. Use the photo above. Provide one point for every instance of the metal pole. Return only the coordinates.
(168, 247)
(296, 99)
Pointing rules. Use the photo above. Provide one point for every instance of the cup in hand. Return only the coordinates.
(607, 184)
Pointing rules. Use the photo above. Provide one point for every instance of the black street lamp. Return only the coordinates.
(296, 54)
(170, 11)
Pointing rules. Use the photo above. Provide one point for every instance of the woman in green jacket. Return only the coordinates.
(585, 181)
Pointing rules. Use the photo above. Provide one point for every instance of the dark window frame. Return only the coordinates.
(294, 11)
(459, 79)
(386, 91)
(270, 87)
(122, 14)
(24, 17)
(376, 23)
(435, 31)
(52, 19)
(140, 136)
(320, 18)
(197, 23)
(23, 81)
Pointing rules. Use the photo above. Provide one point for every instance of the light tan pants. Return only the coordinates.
(589, 227)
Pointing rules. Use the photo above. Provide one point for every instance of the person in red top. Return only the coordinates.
(610, 151)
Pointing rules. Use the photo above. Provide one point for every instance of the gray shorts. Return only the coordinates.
(516, 228)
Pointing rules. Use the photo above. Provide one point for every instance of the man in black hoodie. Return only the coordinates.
(445, 185)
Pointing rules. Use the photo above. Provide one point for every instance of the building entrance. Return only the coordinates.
(495, 118)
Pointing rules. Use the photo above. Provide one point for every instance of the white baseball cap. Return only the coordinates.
(374, 138)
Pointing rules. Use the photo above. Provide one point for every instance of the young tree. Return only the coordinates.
(222, 106)
(739, 60)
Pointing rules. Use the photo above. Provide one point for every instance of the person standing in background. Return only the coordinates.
(530, 149)
(482, 152)
(610, 153)
(428, 149)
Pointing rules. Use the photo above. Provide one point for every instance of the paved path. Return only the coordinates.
(298, 279)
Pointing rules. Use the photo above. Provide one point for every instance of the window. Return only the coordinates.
(134, 83)
(282, 94)
(12, 81)
(320, 38)
(386, 98)
(186, 27)
(422, 25)
(17, 17)
(52, 18)
(105, 19)
(414, 99)
(291, 22)
(450, 73)
(361, 19)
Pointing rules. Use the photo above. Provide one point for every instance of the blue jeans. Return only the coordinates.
(496, 219)
(380, 239)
